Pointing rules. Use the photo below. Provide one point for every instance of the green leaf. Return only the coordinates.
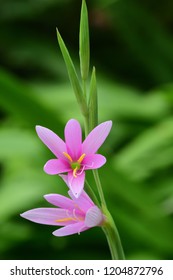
(72, 75)
(84, 48)
(93, 102)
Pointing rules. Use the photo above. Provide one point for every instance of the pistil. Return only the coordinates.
(75, 165)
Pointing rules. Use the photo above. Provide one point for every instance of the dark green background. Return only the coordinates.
(132, 49)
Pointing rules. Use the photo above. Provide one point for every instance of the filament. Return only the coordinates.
(67, 156)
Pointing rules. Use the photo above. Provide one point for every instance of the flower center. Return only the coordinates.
(75, 165)
(70, 217)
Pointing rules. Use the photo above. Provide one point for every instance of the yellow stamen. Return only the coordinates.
(81, 158)
(67, 156)
(69, 219)
(75, 171)
(66, 220)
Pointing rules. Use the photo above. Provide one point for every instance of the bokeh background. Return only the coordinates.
(132, 49)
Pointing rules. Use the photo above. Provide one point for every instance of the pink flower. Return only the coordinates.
(73, 156)
(75, 214)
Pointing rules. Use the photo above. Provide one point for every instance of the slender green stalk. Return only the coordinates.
(91, 193)
(99, 187)
(86, 116)
(90, 121)
(89, 110)
(114, 243)
(84, 89)
(86, 125)
(113, 238)
(109, 227)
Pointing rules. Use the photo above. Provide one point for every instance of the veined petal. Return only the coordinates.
(70, 229)
(83, 202)
(96, 138)
(94, 217)
(60, 201)
(73, 138)
(56, 166)
(76, 184)
(93, 161)
(48, 216)
(51, 140)
(65, 178)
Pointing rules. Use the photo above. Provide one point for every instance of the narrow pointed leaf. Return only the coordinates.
(84, 49)
(72, 75)
(93, 102)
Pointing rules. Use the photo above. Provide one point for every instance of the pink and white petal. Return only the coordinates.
(94, 217)
(93, 161)
(76, 184)
(51, 140)
(84, 202)
(70, 229)
(60, 201)
(56, 166)
(96, 138)
(73, 138)
(65, 178)
(47, 216)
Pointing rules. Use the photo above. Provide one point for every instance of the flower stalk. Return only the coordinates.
(89, 109)
(91, 121)
(74, 157)
(109, 227)
(113, 238)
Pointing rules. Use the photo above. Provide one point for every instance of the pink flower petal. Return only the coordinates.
(96, 138)
(93, 161)
(60, 201)
(70, 229)
(51, 140)
(48, 216)
(73, 138)
(56, 166)
(94, 217)
(83, 202)
(76, 185)
(65, 178)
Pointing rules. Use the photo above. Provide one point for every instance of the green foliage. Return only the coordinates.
(131, 46)
(93, 101)
(84, 48)
(72, 75)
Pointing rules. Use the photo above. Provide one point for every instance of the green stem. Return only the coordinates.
(86, 116)
(91, 193)
(84, 89)
(113, 238)
(99, 187)
(86, 125)
(109, 227)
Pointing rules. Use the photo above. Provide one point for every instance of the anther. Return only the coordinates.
(81, 158)
(67, 156)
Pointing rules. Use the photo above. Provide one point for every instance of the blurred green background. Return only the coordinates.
(132, 49)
